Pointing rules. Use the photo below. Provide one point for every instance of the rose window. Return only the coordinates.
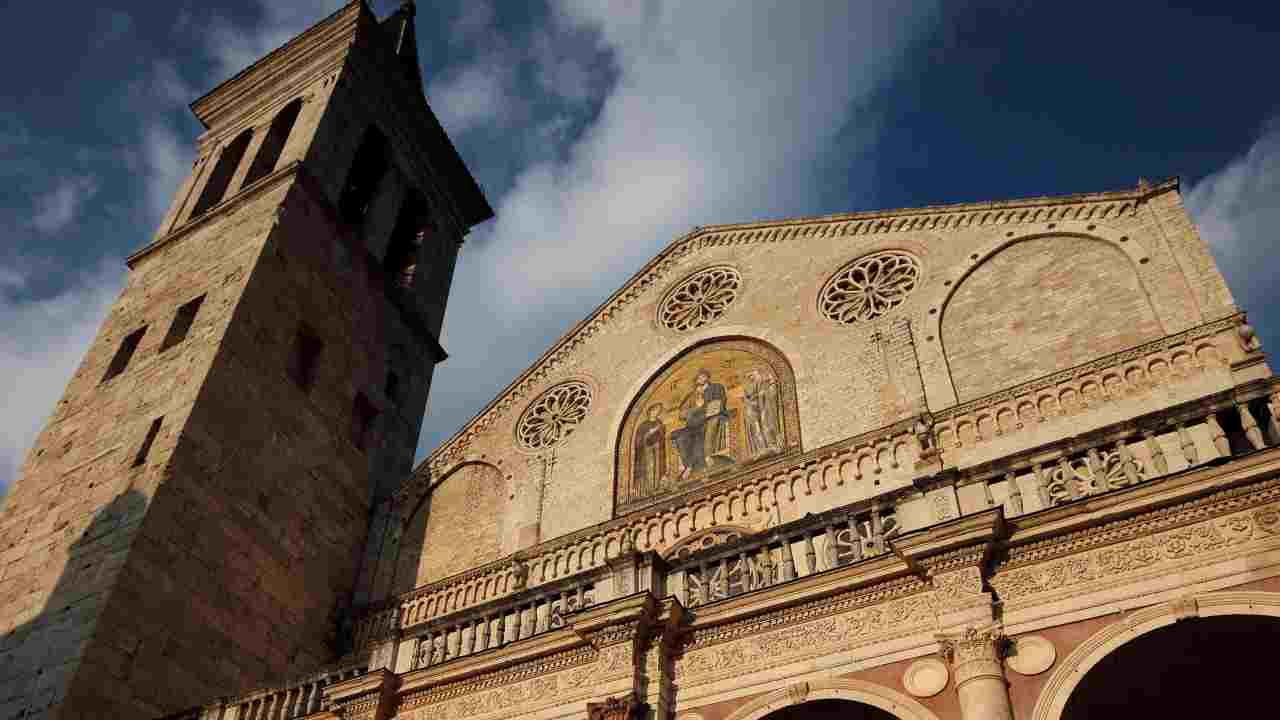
(869, 287)
(700, 298)
(554, 415)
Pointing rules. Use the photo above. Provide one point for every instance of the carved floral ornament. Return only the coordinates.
(869, 287)
(700, 298)
(554, 415)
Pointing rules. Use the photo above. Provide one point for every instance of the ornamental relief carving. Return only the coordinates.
(808, 639)
(578, 683)
(1117, 564)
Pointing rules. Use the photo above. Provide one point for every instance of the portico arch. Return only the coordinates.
(883, 698)
(1069, 674)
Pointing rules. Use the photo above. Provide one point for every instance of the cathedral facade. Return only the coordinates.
(1012, 459)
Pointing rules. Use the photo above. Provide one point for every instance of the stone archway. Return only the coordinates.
(873, 701)
(1208, 649)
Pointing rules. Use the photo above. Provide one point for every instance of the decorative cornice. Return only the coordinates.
(1075, 207)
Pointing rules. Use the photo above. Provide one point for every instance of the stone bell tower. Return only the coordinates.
(192, 519)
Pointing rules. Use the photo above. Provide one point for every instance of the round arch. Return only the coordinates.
(1067, 676)
(943, 295)
(728, 360)
(860, 691)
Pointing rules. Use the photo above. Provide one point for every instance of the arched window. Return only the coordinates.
(367, 169)
(273, 143)
(220, 178)
(413, 228)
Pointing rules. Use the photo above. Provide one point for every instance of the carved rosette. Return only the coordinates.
(975, 653)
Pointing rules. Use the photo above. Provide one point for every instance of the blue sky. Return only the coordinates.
(601, 131)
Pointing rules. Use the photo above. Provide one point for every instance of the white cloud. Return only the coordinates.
(166, 160)
(716, 114)
(1237, 210)
(480, 93)
(40, 348)
(56, 210)
(235, 47)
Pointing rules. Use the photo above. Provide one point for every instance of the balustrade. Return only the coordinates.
(1145, 453)
(822, 542)
(493, 625)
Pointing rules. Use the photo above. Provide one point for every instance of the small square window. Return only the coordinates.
(145, 449)
(124, 353)
(305, 359)
(363, 414)
(182, 322)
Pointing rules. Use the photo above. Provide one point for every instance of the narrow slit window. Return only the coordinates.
(124, 353)
(273, 144)
(182, 322)
(220, 178)
(305, 359)
(367, 169)
(363, 413)
(147, 442)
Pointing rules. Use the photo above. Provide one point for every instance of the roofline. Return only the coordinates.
(1143, 190)
(288, 45)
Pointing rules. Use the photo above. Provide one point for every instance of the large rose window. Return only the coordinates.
(869, 287)
(700, 298)
(554, 415)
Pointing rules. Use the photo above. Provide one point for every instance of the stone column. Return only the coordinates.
(976, 658)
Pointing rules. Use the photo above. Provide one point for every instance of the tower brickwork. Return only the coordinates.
(191, 521)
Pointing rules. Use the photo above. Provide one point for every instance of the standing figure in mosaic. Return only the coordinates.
(705, 435)
(764, 431)
(650, 467)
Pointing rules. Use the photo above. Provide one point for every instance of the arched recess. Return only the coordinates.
(879, 696)
(719, 405)
(1042, 303)
(458, 525)
(1071, 670)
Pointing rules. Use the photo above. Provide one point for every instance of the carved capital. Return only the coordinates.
(616, 708)
(974, 653)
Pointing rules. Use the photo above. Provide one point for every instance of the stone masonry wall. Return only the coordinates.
(1041, 305)
(1106, 281)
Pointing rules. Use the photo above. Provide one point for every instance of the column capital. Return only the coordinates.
(974, 652)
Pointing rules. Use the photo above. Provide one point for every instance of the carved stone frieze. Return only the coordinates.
(1187, 544)
(772, 639)
(580, 663)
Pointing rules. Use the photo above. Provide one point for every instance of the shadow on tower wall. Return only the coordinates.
(41, 659)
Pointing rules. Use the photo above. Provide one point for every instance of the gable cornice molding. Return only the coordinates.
(1091, 206)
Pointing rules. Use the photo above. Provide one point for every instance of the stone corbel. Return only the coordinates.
(954, 559)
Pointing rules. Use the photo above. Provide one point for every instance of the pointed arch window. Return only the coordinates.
(223, 171)
(273, 144)
(370, 164)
